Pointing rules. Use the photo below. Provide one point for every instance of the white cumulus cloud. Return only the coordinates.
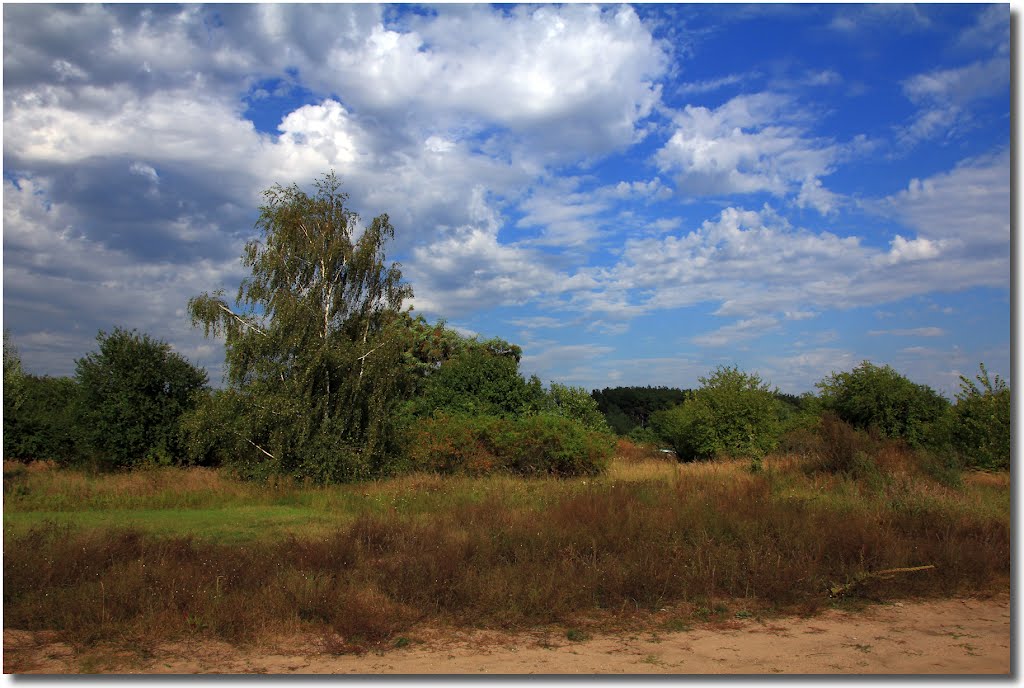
(752, 143)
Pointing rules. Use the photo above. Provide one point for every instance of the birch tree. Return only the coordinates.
(314, 338)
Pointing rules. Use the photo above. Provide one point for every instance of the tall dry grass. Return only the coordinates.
(514, 553)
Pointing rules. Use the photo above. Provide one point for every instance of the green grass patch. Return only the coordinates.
(232, 524)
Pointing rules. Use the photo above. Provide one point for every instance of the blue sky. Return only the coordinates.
(634, 194)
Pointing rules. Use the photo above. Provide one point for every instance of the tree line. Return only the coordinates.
(329, 378)
(738, 414)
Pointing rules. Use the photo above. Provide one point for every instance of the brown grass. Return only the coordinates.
(53, 488)
(651, 534)
(627, 451)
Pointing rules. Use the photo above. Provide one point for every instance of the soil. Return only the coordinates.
(960, 636)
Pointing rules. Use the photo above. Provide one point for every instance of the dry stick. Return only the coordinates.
(885, 573)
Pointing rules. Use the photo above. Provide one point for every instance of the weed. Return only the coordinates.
(970, 649)
(677, 626)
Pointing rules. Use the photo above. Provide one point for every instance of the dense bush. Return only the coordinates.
(132, 392)
(878, 397)
(42, 426)
(834, 446)
(576, 404)
(482, 379)
(980, 427)
(648, 436)
(732, 414)
(208, 429)
(541, 444)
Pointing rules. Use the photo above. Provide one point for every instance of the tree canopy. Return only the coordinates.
(980, 428)
(479, 378)
(732, 414)
(131, 393)
(871, 396)
(14, 382)
(316, 337)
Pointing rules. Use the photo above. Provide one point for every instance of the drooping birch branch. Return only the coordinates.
(256, 445)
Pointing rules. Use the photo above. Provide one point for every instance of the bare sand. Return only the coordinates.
(960, 636)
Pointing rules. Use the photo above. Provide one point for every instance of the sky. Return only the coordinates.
(633, 194)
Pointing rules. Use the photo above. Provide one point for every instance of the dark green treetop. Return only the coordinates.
(131, 393)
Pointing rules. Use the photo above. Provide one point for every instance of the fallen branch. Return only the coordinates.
(885, 574)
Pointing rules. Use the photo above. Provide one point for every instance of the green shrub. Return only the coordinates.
(549, 444)
(871, 396)
(452, 444)
(132, 393)
(482, 379)
(542, 444)
(732, 414)
(43, 425)
(639, 435)
(980, 428)
(208, 432)
(577, 404)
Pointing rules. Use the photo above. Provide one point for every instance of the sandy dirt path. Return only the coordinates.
(962, 636)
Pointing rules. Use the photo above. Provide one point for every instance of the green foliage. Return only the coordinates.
(626, 408)
(547, 444)
(644, 436)
(619, 422)
(732, 414)
(980, 428)
(539, 444)
(39, 413)
(575, 403)
(42, 426)
(430, 345)
(317, 351)
(800, 415)
(14, 381)
(132, 392)
(877, 397)
(211, 429)
(481, 378)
